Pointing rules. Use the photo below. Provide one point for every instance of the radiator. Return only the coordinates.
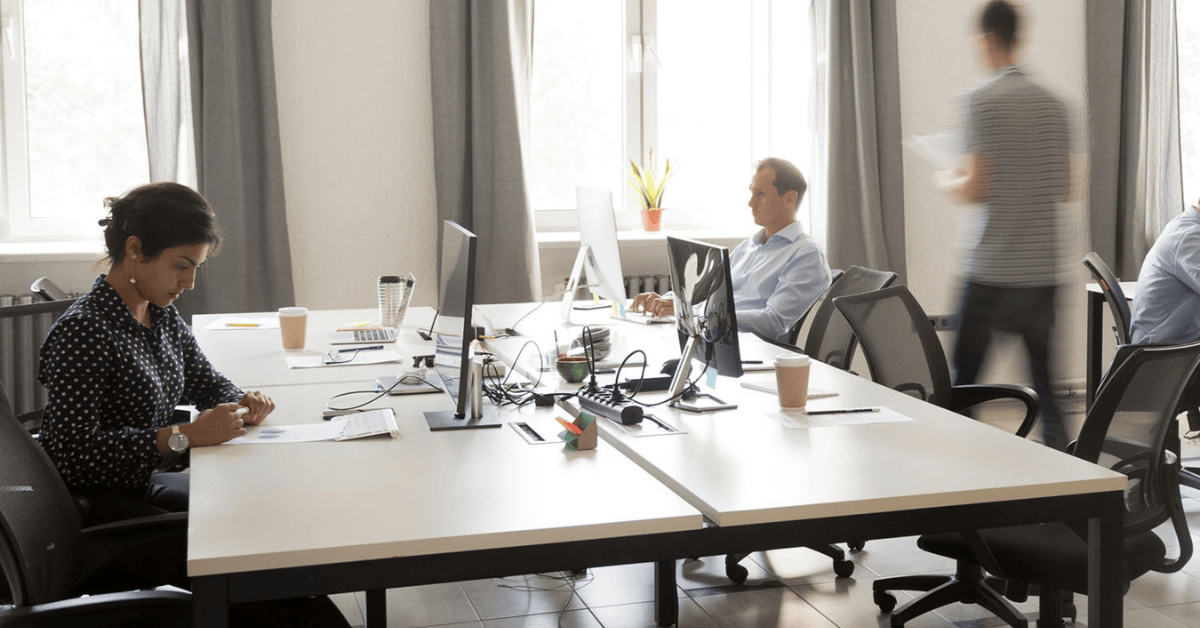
(24, 323)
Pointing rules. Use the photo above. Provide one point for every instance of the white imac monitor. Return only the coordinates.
(599, 257)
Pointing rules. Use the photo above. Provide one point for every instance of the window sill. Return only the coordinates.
(636, 237)
(83, 251)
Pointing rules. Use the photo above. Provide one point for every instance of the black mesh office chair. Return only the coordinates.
(47, 561)
(904, 353)
(1118, 305)
(830, 338)
(1126, 431)
(794, 332)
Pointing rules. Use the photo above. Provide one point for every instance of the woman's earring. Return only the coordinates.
(132, 280)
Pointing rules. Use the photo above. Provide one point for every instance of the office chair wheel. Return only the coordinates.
(856, 546)
(885, 601)
(736, 573)
(843, 568)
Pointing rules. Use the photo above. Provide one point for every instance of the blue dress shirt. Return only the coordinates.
(775, 281)
(1166, 306)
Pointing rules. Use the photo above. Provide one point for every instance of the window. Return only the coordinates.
(1187, 21)
(73, 129)
(711, 85)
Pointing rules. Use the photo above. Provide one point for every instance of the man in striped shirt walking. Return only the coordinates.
(1018, 166)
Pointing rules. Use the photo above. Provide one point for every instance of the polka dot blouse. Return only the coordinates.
(113, 382)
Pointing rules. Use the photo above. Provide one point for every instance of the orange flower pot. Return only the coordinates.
(652, 218)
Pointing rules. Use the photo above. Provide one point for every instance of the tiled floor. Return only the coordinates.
(792, 587)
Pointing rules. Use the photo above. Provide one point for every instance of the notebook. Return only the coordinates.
(768, 385)
(372, 423)
(364, 336)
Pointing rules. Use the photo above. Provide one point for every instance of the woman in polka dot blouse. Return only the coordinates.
(119, 361)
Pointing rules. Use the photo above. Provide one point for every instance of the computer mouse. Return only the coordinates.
(668, 367)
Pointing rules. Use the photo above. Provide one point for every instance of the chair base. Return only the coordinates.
(968, 586)
(842, 566)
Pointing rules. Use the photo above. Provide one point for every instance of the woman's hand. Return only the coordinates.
(259, 405)
(215, 426)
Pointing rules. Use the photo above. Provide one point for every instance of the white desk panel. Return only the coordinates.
(740, 466)
(267, 506)
(252, 358)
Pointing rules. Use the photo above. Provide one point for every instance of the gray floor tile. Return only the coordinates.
(772, 608)
(899, 557)
(618, 585)
(642, 616)
(1156, 589)
(348, 604)
(570, 619)
(709, 571)
(427, 605)
(1188, 614)
(850, 604)
(497, 598)
(799, 565)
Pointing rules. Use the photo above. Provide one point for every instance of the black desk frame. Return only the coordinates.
(1104, 512)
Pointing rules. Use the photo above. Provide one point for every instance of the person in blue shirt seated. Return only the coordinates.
(1166, 306)
(777, 273)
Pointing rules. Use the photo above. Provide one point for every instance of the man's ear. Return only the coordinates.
(792, 198)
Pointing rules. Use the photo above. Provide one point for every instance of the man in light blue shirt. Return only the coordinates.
(780, 271)
(1166, 306)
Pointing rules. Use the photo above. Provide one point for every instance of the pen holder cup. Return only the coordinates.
(573, 369)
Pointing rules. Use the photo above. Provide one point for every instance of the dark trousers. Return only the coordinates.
(1027, 312)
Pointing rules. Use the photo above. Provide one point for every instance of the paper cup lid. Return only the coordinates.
(791, 360)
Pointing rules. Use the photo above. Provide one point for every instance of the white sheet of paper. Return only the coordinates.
(798, 419)
(303, 433)
(940, 150)
(378, 356)
(244, 322)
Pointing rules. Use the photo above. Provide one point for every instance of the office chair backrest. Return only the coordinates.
(40, 535)
(794, 333)
(830, 338)
(902, 349)
(1113, 294)
(1126, 429)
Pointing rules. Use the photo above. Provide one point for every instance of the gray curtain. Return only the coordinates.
(221, 92)
(480, 58)
(1135, 183)
(865, 182)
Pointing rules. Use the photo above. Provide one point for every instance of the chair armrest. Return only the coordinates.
(120, 539)
(107, 609)
(966, 396)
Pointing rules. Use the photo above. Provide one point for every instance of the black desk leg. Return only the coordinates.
(1105, 550)
(666, 597)
(1095, 344)
(376, 608)
(210, 602)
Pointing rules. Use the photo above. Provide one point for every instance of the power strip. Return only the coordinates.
(600, 402)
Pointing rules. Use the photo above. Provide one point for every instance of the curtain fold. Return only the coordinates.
(167, 91)
(239, 164)
(865, 177)
(1136, 182)
(480, 53)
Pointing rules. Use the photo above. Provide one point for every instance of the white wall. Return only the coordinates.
(938, 62)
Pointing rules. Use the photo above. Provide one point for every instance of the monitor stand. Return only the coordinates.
(481, 415)
(693, 401)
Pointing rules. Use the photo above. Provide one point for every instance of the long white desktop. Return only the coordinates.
(271, 521)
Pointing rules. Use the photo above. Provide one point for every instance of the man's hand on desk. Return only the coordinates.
(653, 304)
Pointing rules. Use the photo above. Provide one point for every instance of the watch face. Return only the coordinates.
(178, 442)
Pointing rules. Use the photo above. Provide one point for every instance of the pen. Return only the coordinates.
(352, 350)
(751, 361)
(241, 324)
(841, 411)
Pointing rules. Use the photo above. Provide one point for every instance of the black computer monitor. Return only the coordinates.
(454, 336)
(704, 316)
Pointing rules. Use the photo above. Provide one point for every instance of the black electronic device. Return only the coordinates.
(454, 335)
(602, 402)
(705, 318)
(647, 384)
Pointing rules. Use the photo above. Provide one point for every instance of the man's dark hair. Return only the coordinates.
(999, 18)
(787, 177)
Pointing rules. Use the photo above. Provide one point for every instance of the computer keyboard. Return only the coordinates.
(374, 335)
(600, 402)
(370, 424)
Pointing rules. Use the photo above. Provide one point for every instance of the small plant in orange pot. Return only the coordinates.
(650, 191)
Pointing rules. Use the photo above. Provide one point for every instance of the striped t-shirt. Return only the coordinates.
(1021, 130)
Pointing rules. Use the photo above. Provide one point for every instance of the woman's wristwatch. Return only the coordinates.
(177, 441)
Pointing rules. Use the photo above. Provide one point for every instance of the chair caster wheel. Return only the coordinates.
(843, 568)
(736, 573)
(856, 546)
(885, 601)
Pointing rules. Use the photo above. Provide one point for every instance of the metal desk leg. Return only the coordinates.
(1105, 549)
(1095, 344)
(666, 598)
(376, 608)
(210, 602)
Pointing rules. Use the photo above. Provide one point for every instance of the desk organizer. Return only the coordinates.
(580, 434)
